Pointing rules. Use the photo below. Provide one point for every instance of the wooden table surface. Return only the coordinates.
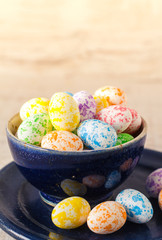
(68, 45)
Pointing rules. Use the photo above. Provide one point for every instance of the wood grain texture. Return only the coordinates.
(49, 46)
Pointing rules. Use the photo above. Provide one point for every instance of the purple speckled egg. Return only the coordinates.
(154, 183)
(86, 104)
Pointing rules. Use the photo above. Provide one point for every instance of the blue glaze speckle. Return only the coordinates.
(45, 169)
(138, 207)
(97, 134)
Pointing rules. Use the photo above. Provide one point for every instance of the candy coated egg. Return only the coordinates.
(86, 104)
(123, 138)
(33, 128)
(113, 179)
(34, 106)
(135, 123)
(71, 94)
(73, 188)
(97, 134)
(114, 95)
(106, 217)
(137, 205)
(64, 112)
(160, 199)
(154, 183)
(101, 103)
(70, 213)
(94, 181)
(62, 141)
(117, 116)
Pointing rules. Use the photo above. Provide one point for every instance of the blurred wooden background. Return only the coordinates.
(72, 45)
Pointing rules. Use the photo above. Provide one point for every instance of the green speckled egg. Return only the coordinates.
(33, 128)
(123, 138)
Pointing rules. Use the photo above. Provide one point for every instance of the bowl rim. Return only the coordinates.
(84, 152)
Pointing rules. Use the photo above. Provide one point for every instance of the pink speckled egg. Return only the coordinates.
(86, 105)
(117, 116)
(107, 217)
(136, 122)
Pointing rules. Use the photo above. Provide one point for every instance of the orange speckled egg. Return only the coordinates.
(160, 199)
(113, 95)
(107, 217)
(62, 141)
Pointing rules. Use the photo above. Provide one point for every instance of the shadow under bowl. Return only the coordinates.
(92, 174)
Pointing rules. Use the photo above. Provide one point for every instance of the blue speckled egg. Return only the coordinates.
(137, 205)
(97, 134)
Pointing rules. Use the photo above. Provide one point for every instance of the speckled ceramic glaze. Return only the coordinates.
(47, 169)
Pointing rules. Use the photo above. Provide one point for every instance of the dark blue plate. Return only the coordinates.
(24, 216)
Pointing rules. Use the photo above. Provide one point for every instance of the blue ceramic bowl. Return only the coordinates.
(92, 174)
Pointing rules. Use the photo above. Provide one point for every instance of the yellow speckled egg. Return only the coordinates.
(113, 95)
(101, 102)
(34, 106)
(70, 213)
(64, 112)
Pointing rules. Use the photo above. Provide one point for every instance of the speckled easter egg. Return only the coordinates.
(62, 141)
(117, 116)
(97, 134)
(73, 188)
(86, 104)
(34, 106)
(71, 213)
(135, 123)
(94, 180)
(114, 95)
(64, 112)
(101, 102)
(123, 138)
(71, 94)
(137, 205)
(107, 217)
(154, 183)
(33, 128)
(160, 199)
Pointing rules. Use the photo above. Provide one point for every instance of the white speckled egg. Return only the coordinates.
(70, 213)
(86, 104)
(135, 123)
(154, 183)
(34, 106)
(137, 205)
(107, 217)
(97, 134)
(117, 116)
(33, 128)
(64, 112)
(114, 95)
